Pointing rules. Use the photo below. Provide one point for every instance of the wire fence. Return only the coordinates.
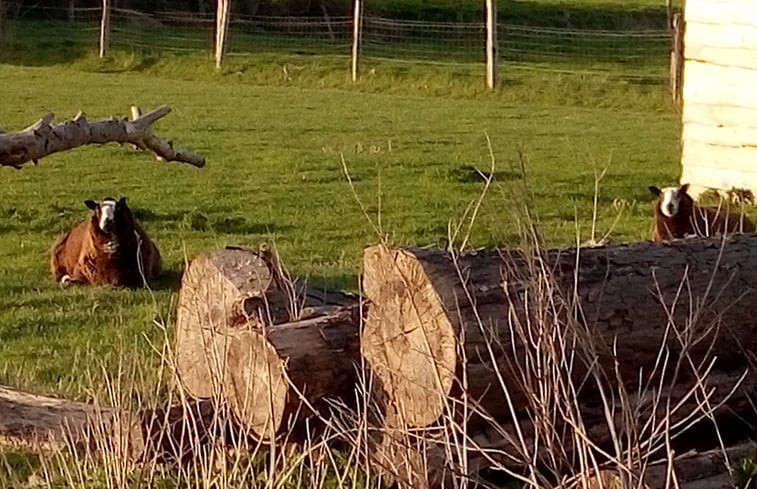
(623, 53)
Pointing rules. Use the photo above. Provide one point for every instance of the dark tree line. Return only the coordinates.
(56, 8)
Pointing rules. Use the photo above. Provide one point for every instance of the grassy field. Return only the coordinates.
(275, 173)
(276, 129)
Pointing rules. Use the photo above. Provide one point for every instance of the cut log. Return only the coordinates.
(701, 469)
(276, 378)
(272, 348)
(234, 289)
(170, 433)
(31, 419)
(215, 290)
(44, 138)
(441, 324)
(178, 433)
(411, 460)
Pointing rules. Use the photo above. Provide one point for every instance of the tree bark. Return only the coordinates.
(439, 325)
(43, 138)
(427, 459)
(177, 433)
(172, 433)
(29, 419)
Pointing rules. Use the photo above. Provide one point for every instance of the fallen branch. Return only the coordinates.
(165, 433)
(30, 419)
(44, 138)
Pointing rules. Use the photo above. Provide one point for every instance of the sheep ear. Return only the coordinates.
(684, 188)
(91, 204)
(655, 191)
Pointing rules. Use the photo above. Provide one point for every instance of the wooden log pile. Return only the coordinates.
(488, 340)
(273, 349)
(479, 359)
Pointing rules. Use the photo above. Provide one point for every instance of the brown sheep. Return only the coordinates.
(108, 248)
(677, 216)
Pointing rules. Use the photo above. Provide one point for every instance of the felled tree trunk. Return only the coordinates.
(411, 458)
(180, 432)
(29, 418)
(438, 326)
(249, 334)
(44, 138)
(170, 433)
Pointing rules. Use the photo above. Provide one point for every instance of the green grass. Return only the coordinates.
(274, 173)
(274, 125)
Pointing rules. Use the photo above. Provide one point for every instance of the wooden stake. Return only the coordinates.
(356, 34)
(676, 59)
(222, 26)
(3, 7)
(105, 28)
(491, 43)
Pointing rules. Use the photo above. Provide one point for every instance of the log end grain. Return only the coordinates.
(408, 339)
(255, 384)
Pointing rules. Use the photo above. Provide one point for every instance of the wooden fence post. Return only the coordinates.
(222, 26)
(491, 43)
(105, 28)
(3, 29)
(676, 59)
(357, 31)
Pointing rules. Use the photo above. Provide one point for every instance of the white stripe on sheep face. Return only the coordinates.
(107, 214)
(671, 199)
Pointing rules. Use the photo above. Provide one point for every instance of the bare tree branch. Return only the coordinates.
(44, 138)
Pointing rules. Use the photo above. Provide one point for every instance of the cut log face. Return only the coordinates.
(414, 350)
(431, 315)
(271, 348)
(215, 296)
(255, 383)
(287, 370)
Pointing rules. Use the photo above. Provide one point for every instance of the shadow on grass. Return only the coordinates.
(131, 63)
(577, 15)
(199, 221)
(471, 174)
(169, 279)
(346, 282)
(43, 53)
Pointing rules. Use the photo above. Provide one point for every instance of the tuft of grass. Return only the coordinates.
(744, 473)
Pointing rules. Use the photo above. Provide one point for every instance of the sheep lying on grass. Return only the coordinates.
(677, 216)
(108, 248)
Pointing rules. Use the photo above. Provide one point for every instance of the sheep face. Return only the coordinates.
(670, 199)
(108, 214)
